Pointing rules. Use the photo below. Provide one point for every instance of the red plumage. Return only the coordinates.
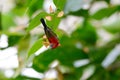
(51, 36)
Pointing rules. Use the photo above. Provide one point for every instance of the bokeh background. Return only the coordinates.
(88, 31)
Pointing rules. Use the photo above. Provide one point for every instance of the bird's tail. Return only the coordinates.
(43, 23)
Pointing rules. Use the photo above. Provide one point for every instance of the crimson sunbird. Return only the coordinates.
(51, 36)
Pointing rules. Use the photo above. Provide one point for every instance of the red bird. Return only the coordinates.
(51, 36)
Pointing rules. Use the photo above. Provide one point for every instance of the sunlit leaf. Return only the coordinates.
(23, 45)
(60, 4)
(105, 12)
(54, 22)
(34, 5)
(113, 27)
(38, 44)
(7, 21)
(36, 21)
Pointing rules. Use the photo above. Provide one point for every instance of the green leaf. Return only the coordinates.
(113, 27)
(24, 43)
(66, 54)
(108, 1)
(14, 39)
(34, 5)
(87, 34)
(22, 77)
(54, 22)
(36, 21)
(97, 55)
(70, 77)
(100, 71)
(38, 44)
(60, 4)
(80, 12)
(66, 57)
(0, 21)
(105, 12)
(7, 21)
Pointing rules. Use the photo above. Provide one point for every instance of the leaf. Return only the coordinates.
(36, 21)
(100, 71)
(24, 43)
(14, 39)
(113, 27)
(70, 77)
(34, 5)
(87, 34)
(105, 12)
(66, 54)
(7, 21)
(66, 57)
(54, 22)
(59, 4)
(108, 1)
(80, 12)
(38, 44)
(23, 77)
(97, 55)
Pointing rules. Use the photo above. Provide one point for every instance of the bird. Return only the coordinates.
(51, 36)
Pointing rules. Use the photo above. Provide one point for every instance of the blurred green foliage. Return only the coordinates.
(85, 36)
